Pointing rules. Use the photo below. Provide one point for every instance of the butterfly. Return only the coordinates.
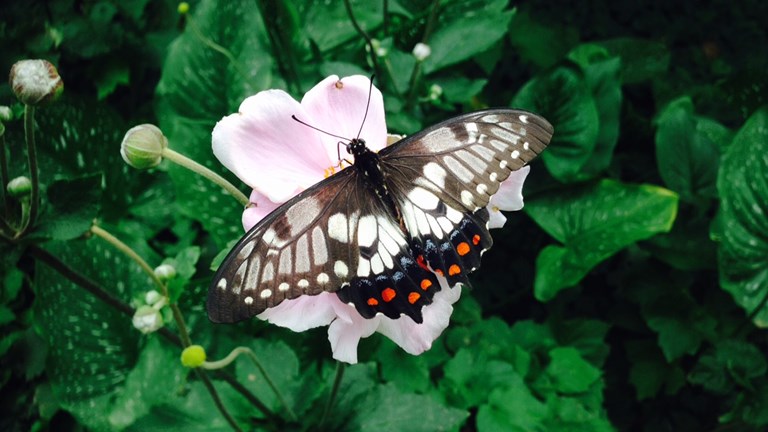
(378, 232)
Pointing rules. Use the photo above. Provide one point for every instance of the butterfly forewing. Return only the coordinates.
(339, 236)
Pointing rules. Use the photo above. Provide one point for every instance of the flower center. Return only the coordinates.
(334, 169)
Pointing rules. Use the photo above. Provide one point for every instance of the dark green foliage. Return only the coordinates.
(631, 294)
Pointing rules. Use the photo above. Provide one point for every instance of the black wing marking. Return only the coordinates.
(444, 176)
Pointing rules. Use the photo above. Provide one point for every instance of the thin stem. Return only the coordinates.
(216, 47)
(216, 399)
(29, 137)
(218, 364)
(340, 367)
(365, 36)
(4, 178)
(195, 167)
(413, 82)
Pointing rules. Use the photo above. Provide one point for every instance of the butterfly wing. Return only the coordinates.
(444, 177)
(335, 236)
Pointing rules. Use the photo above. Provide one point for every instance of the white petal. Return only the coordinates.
(510, 194)
(303, 313)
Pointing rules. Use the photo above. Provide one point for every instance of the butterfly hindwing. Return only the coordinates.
(444, 176)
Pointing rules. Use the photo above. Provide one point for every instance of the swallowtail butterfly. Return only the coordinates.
(376, 233)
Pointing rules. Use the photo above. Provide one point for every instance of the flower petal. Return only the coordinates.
(267, 149)
(496, 218)
(338, 106)
(345, 335)
(416, 338)
(509, 197)
(260, 207)
(303, 313)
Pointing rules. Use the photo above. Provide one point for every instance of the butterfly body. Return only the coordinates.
(379, 233)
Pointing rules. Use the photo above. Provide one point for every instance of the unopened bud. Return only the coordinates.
(147, 319)
(6, 114)
(183, 8)
(19, 187)
(165, 272)
(35, 82)
(193, 356)
(152, 297)
(421, 51)
(435, 91)
(142, 146)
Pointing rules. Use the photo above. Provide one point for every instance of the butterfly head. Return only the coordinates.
(357, 147)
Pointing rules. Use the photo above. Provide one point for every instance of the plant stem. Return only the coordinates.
(340, 367)
(217, 400)
(413, 82)
(365, 36)
(29, 137)
(195, 167)
(218, 364)
(3, 177)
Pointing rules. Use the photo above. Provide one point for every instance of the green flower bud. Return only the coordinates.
(142, 146)
(183, 8)
(165, 272)
(147, 319)
(19, 187)
(35, 82)
(193, 356)
(152, 297)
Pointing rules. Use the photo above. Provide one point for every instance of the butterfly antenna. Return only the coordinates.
(367, 105)
(319, 130)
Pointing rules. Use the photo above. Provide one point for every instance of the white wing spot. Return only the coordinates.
(301, 216)
(423, 198)
(494, 176)
(248, 300)
(515, 154)
(366, 231)
(503, 164)
(303, 283)
(337, 227)
(267, 293)
(458, 169)
(472, 132)
(435, 173)
(526, 145)
(467, 199)
(222, 284)
(524, 118)
(246, 250)
(363, 267)
(482, 188)
(377, 265)
(323, 279)
(283, 287)
(302, 254)
(340, 269)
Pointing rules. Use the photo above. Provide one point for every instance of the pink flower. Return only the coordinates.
(278, 158)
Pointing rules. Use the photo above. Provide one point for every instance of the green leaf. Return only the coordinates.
(471, 30)
(641, 60)
(569, 372)
(733, 363)
(74, 205)
(539, 43)
(470, 376)
(409, 373)
(650, 372)
(198, 87)
(328, 24)
(114, 75)
(460, 89)
(601, 73)
(93, 347)
(743, 187)
(512, 408)
(563, 97)
(587, 336)
(687, 160)
(378, 411)
(593, 222)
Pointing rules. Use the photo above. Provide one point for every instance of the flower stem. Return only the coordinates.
(340, 367)
(413, 82)
(4, 178)
(217, 400)
(226, 361)
(365, 36)
(197, 168)
(29, 137)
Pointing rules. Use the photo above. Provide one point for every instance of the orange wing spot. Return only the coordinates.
(454, 269)
(421, 262)
(373, 302)
(388, 294)
(439, 272)
(413, 297)
(425, 284)
(462, 248)
(475, 239)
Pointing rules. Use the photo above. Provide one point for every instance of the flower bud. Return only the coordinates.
(193, 356)
(152, 296)
(6, 114)
(183, 8)
(435, 91)
(143, 145)
(165, 272)
(147, 319)
(421, 51)
(35, 82)
(19, 187)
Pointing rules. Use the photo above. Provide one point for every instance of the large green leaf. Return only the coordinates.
(74, 204)
(564, 97)
(641, 59)
(538, 43)
(687, 159)
(512, 408)
(199, 86)
(593, 222)
(329, 26)
(743, 187)
(471, 28)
